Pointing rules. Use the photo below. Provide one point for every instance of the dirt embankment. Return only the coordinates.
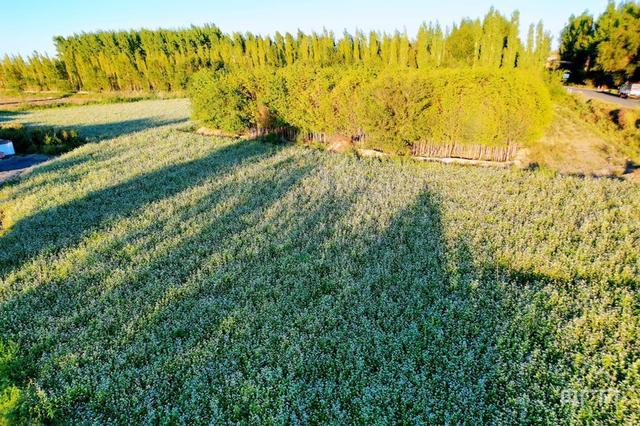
(589, 139)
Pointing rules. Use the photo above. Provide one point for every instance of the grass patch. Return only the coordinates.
(103, 121)
(9, 393)
(619, 126)
(167, 277)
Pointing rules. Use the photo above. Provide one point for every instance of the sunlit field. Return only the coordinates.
(165, 277)
(108, 120)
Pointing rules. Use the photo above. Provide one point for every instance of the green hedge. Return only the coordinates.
(393, 108)
(222, 100)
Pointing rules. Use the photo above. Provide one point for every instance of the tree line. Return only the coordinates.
(605, 50)
(164, 60)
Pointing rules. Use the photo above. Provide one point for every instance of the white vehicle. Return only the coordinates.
(6, 148)
(630, 89)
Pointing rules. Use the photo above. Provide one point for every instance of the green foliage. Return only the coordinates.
(164, 60)
(13, 370)
(394, 109)
(28, 140)
(222, 100)
(347, 99)
(607, 49)
(577, 44)
(457, 107)
(307, 90)
(9, 393)
(37, 72)
(164, 277)
(618, 41)
(489, 108)
(495, 30)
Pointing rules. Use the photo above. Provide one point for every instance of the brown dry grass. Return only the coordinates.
(572, 146)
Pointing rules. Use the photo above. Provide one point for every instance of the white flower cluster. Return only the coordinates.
(165, 277)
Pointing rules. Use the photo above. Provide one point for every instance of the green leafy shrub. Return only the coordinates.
(394, 108)
(222, 100)
(347, 99)
(487, 107)
(307, 90)
(493, 108)
(269, 91)
(27, 140)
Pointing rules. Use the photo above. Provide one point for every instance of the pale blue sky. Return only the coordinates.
(28, 25)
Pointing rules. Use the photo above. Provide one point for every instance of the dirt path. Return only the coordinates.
(28, 101)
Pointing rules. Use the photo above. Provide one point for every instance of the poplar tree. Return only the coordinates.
(513, 42)
(164, 60)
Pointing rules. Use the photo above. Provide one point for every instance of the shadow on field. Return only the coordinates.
(112, 129)
(270, 307)
(46, 231)
(6, 116)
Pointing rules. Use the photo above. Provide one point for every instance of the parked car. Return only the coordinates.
(630, 90)
(6, 148)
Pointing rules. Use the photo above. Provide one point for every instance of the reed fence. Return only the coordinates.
(418, 149)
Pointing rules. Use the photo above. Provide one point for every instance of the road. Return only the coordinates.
(14, 166)
(606, 97)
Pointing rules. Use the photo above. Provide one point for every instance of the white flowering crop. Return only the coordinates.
(165, 277)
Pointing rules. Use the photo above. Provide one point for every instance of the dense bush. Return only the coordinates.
(223, 100)
(491, 108)
(40, 140)
(394, 108)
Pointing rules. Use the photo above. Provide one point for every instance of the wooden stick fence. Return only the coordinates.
(472, 152)
(287, 133)
(419, 149)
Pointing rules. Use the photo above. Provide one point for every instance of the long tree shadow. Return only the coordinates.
(65, 225)
(78, 317)
(93, 296)
(279, 307)
(112, 129)
(357, 326)
(6, 116)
